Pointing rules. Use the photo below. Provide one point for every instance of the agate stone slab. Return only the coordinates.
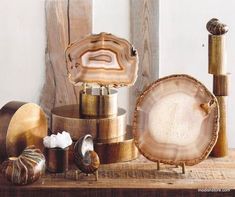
(176, 121)
(102, 59)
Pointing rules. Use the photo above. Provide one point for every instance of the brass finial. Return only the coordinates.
(215, 27)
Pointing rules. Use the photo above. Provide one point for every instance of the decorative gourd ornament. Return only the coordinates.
(85, 157)
(26, 168)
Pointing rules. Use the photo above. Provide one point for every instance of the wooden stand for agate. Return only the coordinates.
(182, 166)
(217, 67)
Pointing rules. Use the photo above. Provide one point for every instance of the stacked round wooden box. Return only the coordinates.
(98, 115)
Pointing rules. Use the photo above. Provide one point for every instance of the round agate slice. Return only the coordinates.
(102, 59)
(176, 121)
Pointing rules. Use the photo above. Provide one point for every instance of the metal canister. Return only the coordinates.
(57, 159)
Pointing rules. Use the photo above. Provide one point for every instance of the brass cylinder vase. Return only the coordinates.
(95, 102)
(57, 159)
(217, 55)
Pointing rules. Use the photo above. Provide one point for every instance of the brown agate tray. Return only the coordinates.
(102, 59)
(176, 121)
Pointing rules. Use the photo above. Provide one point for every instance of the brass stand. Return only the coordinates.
(158, 165)
(182, 165)
(98, 102)
(183, 168)
(77, 173)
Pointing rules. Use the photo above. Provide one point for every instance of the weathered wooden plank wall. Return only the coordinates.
(66, 21)
(145, 38)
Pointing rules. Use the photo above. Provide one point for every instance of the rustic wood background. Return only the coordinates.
(66, 21)
(145, 37)
(69, 20)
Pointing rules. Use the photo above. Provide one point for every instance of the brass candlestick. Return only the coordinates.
(217, 67)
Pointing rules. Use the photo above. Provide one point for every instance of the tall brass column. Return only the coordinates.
(217, 67)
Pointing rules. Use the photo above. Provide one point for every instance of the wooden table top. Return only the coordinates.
(133, 178)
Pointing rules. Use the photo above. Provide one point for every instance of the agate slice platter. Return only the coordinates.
(102, 59)
(176, 121)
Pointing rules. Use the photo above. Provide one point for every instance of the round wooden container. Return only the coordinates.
(68, 118)
(117, 149)
(21, 124)
(94, 104)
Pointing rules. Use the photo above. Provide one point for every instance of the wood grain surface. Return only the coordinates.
(145, 38)
(66, 21)
(137, 178)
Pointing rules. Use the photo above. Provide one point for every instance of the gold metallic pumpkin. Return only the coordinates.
(25, 169)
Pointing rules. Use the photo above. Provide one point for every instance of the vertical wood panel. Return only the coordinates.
(145, 38)
(66, 21)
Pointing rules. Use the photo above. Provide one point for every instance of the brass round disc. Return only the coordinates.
(68, 118)
(22, 124)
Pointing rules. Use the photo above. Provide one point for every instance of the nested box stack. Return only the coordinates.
(98, 115)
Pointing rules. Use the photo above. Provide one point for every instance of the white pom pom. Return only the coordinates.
(52, 142)
(61, 140)
(46, 141)
(67, 138)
